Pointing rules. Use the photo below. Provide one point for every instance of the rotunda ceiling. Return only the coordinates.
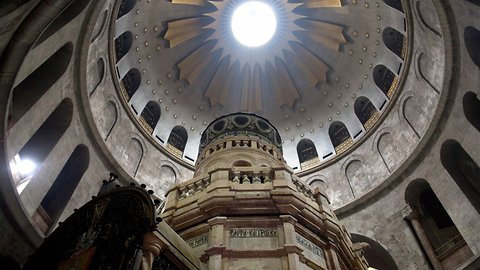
(329, 72)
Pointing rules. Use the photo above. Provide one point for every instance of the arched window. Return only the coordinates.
(396, 4)
(131, 82)
(100, 74)
(339, 136)
(463, 169)
(150, 116)
(242, 163)
(377, 256)
(33, 87)
(472, 42)
(123, 43)
(365, 112)
(178, 140)
(125, 7)
(62, 189)
(39, 146)
(384, 78)
(471, 109)
(394, 41)
(68, 14)
(434, 228)
(306, 151)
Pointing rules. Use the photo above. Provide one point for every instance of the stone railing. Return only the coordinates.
(193, 187)
(248, 175)
(303, 188)
(238, 142)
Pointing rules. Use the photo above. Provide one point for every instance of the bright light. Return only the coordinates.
(26, 167)
(253, 23)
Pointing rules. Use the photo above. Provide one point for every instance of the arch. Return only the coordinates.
(33, 87)
(364, 110)
(131, 81)
(396, 4)
(100, 74)
(338, 133)
(434, 227)
(242, 163)
(306, 150)
(111, 115)
(63, 187)
(322, 186)
(125, 7)
(377, 256)
(168, 177)
(463, 169)
(383, 78)
(67, 14)
(471, 109)
(133, 156)
(151, 114)
(413, 114)
(123, 44)
(472, 42)
(386, 148)
(178, 138)
(39, 146)
(394, 40)
(99, 25)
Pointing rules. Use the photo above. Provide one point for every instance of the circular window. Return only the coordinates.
(253, 23)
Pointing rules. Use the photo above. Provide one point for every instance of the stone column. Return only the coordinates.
(216, 242)
(411, 214)
(152, 246)
(291, 242)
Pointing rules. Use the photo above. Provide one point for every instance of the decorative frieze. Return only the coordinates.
(253, 233)
(310, 246)
(198, 241)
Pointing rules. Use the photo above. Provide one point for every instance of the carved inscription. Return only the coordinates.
(310, 246)
(199, 240)
(251, 233)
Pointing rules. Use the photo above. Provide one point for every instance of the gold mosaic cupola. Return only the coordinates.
(246, 209)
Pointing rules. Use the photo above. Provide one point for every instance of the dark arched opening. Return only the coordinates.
(472, 42)
(125, 7)
(439, 237)
(394, 40)
(383, 78)
(123, 43)
(339, 134)
(463, 169)
(42, 142)
(33, 87)
(377, 256)
(150, 115)
(131, 81)
(178, 139)
(471, 109)
(67, 14)
(59, 194)
(306, 151)
(396, 4)
(365, 112)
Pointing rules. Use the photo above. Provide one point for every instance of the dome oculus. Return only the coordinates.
(253, 23)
